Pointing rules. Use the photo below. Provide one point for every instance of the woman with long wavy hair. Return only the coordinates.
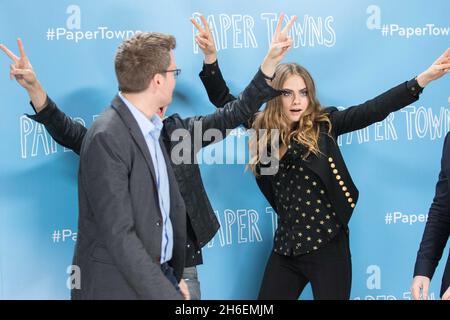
(310, 189)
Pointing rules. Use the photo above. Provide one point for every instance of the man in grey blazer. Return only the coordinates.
(132, 218)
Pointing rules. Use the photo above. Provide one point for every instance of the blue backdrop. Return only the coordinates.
(355, 49)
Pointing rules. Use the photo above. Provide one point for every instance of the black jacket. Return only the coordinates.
(340, 187)
(70, 134)
(437, 229)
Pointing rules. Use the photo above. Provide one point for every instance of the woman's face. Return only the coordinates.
(294, 98)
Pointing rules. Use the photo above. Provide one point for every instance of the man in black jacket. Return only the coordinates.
(436, 234)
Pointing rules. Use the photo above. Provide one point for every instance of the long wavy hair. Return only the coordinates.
(305, 132)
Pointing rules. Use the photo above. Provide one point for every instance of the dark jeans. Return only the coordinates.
(190, 276)
(168, 272)
(328, 269)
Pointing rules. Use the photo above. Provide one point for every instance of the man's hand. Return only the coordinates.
(22, 70)
(184, 290)
(440, 67)
(205, 40)
(420, 283)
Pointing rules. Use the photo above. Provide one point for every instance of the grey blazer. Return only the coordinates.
(120, 224)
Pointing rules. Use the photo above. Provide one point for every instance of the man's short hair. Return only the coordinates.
(139, 58)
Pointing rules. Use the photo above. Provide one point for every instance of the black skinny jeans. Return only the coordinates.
(329, 270)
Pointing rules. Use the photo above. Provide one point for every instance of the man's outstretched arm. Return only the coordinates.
(62, 128)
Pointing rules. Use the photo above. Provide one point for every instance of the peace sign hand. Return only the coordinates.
(280, 45)
(21, 69)
(205, 40)
(439, 68)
